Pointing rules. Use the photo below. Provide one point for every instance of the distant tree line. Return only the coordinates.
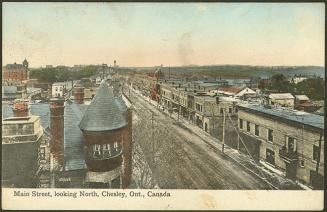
(314, 88)
(59, 74)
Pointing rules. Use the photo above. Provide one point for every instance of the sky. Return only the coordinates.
(171, 34)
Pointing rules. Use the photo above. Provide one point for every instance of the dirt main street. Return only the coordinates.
(180, 159)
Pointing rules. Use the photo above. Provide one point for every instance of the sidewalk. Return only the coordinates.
(275, 179)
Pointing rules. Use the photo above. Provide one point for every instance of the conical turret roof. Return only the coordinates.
(103, 113)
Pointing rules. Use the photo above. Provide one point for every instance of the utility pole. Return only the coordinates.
(169, 71)
(152, 138)
(224, 120)
(179, 104)
(318, 159)
(129, 92)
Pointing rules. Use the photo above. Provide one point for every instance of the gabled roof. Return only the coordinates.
(245, 91)
(229, 90)
(104, 113)
(281, 96)
(301, 97)
(73, 142)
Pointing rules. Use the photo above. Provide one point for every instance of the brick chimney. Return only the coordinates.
(57, 130)
(127, 153)
(79, 94)
(20, 108)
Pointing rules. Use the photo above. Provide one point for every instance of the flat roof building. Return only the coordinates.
(286, 139)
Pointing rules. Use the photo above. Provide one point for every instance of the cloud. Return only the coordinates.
(185, 49)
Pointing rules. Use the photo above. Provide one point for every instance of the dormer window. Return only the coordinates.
(106, 150)
(96, 151)
(116, 146)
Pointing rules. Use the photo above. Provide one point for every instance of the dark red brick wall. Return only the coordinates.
(21, 113)
(57, 131)
(15, 74)
(127, 151)
(79, 95)
(103, 137)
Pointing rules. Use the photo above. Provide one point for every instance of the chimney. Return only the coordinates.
(79, 95)
(20, 109)
(57, 130)
(127, 151)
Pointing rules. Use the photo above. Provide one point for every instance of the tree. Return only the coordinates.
(314, 88)
(280, 83)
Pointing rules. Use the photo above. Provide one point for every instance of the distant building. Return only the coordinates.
(58, 89)
(238, 92)
(302, 102)
(281, 99)
(10, 93)
(289, 140)
(98, 80)
(21, 138)
(297, 79)
(15, 72)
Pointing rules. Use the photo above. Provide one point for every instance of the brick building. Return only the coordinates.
(15, 72)
(289, 140)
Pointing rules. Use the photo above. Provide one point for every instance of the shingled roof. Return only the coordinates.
(103, 113)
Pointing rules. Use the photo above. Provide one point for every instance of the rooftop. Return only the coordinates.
(104, 113)
(281, 96)
(73, 136)
(301, 97)
(299, 117)
(14, 66)
(232, 90)
(19, 120)
(9, 89)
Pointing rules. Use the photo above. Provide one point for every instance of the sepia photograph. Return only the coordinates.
(193, 105)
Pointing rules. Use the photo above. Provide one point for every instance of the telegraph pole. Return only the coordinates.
(179, 104)
(318, 159)
(224, 120)
(169, 71)
(152, 138)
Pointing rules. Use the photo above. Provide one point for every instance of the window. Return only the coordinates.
(56, 88)
(291, 144)
(316, 153)
(230, 110)
(270, 135)
(42, 153)
(221, 110)
(116, 146)
(270, 156)
(241, 123)
(106, 150)
(96, 151)
(60, 88)
(256, 130)
(248, 126)
(302, 163)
